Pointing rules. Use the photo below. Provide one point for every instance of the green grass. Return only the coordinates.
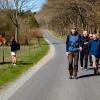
(27, 56)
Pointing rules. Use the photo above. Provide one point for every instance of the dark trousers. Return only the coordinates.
(73, 63)
(84, 58)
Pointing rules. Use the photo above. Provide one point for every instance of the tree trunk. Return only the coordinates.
(17, 33)
(17, 27)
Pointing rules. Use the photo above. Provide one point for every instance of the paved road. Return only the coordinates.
(51, 81)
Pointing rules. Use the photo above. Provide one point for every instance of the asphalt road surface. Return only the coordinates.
(51, 81)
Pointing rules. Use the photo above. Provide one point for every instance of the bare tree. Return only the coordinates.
(15, 7)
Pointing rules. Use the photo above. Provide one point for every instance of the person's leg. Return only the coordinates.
(90, 60)
(76, 58)
(94, 64)
(14, 59)
(97, 63)
(70, 61)
(81, 58)
(86, 59)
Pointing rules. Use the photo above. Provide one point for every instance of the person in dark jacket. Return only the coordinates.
(94, 49)
(13, 50)
(73, 46)
(85, 52)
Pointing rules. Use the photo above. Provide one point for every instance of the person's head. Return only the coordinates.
(91, 36)
(94, 36)
(85, 33)
(73, 30)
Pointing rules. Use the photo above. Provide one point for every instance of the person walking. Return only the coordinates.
(85, 52)
(73, 46)
(13, 51)
(94, 48)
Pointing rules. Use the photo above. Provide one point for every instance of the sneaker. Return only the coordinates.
(70, 77)
(14, 64)
(82, 68)
(86, 69)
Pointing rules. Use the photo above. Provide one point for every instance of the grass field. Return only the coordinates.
(26, 57)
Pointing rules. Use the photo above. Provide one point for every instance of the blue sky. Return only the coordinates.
(34, 5)
(39, 4)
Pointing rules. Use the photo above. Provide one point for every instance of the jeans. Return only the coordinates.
(84, 58)
(73, 63)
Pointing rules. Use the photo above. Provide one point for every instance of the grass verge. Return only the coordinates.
(27, 57)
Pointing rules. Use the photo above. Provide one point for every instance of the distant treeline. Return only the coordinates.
(64, 14)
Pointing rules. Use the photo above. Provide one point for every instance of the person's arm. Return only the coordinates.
(89, 45)
(67, 43)
(81, 42)
(99, 44)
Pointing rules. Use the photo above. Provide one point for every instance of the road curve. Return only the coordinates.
(51, 81)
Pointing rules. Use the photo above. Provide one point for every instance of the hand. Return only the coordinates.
(85, 43)
(80, 48)
(67, 53)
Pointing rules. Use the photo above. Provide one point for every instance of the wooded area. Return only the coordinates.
(17, 22)
(61, 15)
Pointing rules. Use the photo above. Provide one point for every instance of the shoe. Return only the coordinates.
(76, 77)
(95, 71)
(82, 68)
(86, 69)
(14, 64)
(70, 77)
(91, 64)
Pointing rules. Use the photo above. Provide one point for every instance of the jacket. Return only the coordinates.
(94, 47)
(73, 42)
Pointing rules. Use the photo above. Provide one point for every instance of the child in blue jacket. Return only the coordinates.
(94, 49)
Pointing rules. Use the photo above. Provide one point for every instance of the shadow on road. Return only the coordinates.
(88, 75)
(92, 68)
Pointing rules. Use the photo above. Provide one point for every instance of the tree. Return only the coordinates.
(61, 14)
(14, 8)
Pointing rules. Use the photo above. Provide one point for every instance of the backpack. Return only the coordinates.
(17, 46)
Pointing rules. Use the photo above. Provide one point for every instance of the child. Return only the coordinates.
(13, 51)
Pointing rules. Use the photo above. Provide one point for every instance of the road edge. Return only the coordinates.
(12, 87)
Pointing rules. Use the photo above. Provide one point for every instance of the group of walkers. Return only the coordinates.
(86, 47)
